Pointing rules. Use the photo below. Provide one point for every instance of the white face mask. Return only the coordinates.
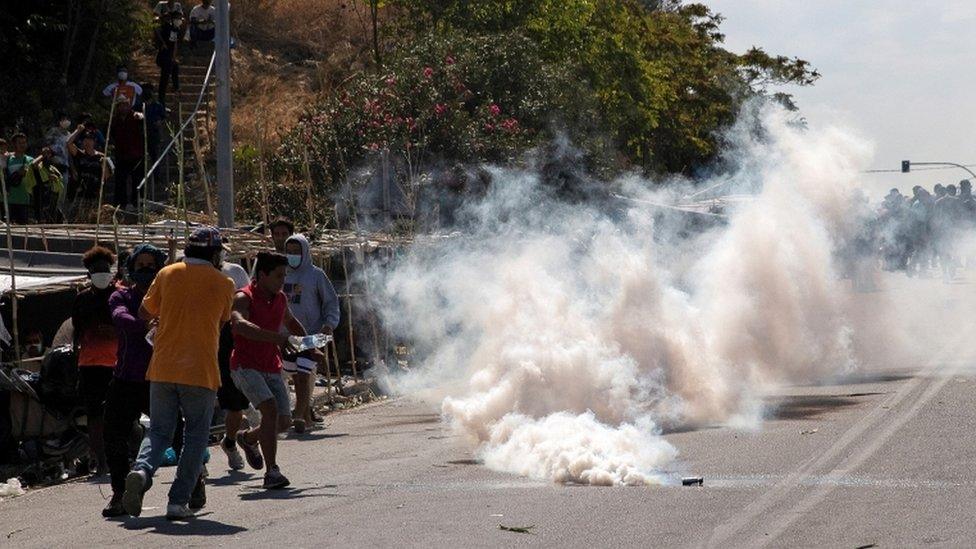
(294, 261)
(101, 280)
(123, 75)
(65, 124)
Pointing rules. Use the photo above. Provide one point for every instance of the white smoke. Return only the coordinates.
(566, 337)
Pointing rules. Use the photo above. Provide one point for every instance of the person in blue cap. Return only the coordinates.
(189, 301)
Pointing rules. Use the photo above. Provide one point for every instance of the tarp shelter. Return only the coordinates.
(43, 303)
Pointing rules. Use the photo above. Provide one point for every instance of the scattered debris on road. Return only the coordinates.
(517, 529)
(11, 489)
(809, 431)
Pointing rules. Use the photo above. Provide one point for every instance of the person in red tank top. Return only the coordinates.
(260, 310)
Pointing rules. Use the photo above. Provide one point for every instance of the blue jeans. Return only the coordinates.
(166, 402)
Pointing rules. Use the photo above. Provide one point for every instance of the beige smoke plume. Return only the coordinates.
(577, 335)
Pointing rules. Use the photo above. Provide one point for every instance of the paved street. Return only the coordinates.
(883, 456)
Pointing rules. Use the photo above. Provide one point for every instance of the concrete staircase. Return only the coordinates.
(198, 138)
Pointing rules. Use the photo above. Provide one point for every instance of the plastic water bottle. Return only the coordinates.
(314, 341)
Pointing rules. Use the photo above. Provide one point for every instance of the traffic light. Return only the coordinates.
(906, 166)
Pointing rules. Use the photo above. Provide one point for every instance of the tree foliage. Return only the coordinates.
(59, 53)
(657, 69)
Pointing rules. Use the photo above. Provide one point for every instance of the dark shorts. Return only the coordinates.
(93, 382)
(229, 397)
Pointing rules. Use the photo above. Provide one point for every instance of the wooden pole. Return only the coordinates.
(13, 269)
(308, 188)
(352, 338)
(262, 184)
(101, 186)
(145, 169)
(198, 154)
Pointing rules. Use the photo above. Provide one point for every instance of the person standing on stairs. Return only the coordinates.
(127, 141)
(122, 86)
(203, 22)
(168, 34)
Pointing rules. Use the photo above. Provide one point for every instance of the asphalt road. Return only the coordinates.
(884, 455)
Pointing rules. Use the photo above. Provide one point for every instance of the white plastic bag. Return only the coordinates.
(11, 489)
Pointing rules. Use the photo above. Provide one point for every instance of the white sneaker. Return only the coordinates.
(178, 512)
(234, 458)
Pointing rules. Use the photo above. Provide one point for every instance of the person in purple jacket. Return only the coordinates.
(128, 394)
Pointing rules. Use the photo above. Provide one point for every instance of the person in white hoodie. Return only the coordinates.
(312, 300)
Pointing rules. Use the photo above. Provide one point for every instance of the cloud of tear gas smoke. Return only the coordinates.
(567, 336)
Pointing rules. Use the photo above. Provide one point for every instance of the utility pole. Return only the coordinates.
(225, 167)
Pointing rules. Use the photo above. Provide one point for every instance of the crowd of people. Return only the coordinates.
(924, 231)
(173, 337)
(69, 170)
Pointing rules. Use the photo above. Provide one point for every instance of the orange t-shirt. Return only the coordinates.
(97, 348)
(192, 301)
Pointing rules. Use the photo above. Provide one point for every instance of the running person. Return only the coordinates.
(231, 400)
(313, 301)
(260, 311)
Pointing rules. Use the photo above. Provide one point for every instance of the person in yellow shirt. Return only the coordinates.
(189, 302)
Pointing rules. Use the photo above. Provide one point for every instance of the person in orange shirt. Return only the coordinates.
(96, 344)
(189, 302)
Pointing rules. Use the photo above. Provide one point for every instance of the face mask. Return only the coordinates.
(123, 75)
(144, 276)
(101, 280)
(65, 124)
(294, 261)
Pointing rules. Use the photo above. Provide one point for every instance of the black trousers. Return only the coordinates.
(124, 405)
(20, 214)
(169, 70)
(127, 178)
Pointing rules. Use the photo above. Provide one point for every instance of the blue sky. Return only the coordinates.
(900, 72)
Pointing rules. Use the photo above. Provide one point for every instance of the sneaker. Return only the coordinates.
(234, 458)
(316, 418)
(299, 426)
(136, 485)
(273, 479)
(178, 512)
(252, 452)
(198, 499)
(114, 507)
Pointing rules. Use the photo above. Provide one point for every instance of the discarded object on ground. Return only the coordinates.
(517, 529)
(808, 431)
(693, 481)
(11, 489)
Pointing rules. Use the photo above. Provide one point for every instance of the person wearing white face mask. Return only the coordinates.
(34, 348)
(57, 139)
(313, 301)
(123, 87)
(96, 344)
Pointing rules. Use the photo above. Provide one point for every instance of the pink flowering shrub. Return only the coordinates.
(443, 99)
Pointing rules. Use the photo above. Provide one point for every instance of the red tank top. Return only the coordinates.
(266, 312)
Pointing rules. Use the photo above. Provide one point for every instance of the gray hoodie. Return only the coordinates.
(311, 297)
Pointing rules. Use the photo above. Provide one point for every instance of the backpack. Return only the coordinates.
(58, 386)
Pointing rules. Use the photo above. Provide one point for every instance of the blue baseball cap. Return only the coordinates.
(205, 237)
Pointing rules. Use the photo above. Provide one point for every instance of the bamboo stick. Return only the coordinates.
(308, 187)
(101, 186)
(349, 318)
(262, 184)
(13, 268)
